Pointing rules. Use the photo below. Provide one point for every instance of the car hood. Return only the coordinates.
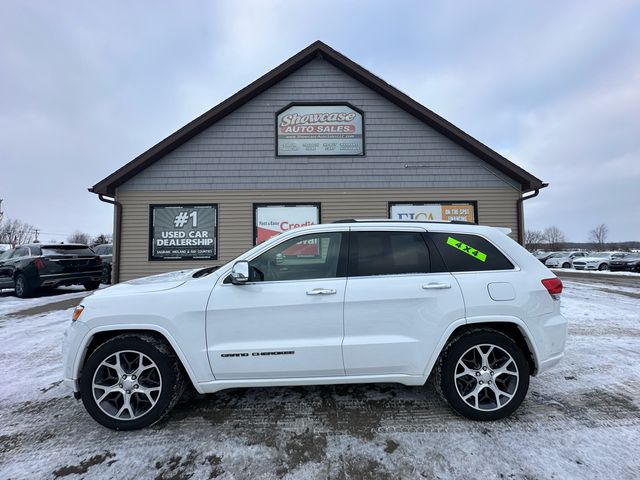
(154, 283)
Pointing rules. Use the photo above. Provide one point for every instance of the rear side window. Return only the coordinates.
(387, 253)
(469, 253)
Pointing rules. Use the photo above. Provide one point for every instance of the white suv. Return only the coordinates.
(348, 302)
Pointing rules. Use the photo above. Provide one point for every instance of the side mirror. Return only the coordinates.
(240, 272)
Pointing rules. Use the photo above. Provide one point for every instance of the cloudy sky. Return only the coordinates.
(554, 86)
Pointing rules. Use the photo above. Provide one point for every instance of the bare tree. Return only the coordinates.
(79, 237)
(554, 237)
(533, 239)
(101, 239)
(16, 231)
(599, 236)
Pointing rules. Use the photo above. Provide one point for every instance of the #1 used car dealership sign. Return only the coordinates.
(183, 232)
(320, 130)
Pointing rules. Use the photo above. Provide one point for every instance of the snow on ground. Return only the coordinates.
(9, 303)
(580, 420)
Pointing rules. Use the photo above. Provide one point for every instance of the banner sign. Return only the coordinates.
(433, 211)
(183, 232)
(271, 220)
(319, 130)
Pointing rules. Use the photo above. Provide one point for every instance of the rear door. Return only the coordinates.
(398, 302)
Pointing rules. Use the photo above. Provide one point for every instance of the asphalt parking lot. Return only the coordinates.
(580, 420)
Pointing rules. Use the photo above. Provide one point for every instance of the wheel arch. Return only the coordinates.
(97, 337)
(512, 327)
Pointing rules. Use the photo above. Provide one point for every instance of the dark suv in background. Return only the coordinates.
(29, 267)
(106, 254)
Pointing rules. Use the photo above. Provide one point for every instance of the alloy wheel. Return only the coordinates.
(486, 377)
(126, 385)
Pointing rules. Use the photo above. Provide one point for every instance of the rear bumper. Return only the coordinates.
(74, 278)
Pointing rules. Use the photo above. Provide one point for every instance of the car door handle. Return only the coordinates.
(436, 286)
(322, 291)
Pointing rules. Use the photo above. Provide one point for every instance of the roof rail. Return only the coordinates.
(387, 220)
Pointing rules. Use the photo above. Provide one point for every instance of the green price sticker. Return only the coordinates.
(463, 247)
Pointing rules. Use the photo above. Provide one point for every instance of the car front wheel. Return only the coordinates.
(131, 382)
(483, 374)
(604, 266)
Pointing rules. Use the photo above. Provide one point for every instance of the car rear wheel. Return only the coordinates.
(106, 275)
(91, 285)
(22, 287)
(483, 374)
(566, 265)
(131, 382)
(604, 266)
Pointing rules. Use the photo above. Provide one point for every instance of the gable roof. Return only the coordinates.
(108, 185)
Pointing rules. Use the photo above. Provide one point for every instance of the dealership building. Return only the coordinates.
(317, 139)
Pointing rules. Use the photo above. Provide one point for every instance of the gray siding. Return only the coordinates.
(238, 152)
(496, 206)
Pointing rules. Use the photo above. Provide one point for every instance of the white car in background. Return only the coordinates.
(564, 259)
(596, 261)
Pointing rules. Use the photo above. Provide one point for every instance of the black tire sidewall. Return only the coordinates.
(167, 372)
(450, 360)
(25, 286)
(566, 265)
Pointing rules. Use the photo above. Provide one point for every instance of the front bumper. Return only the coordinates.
(72, 353)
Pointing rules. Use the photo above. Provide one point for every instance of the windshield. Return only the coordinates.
(66, 250)
(6, 254)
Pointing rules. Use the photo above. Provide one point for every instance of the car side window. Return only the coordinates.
(469, 253)
(387, 253)
(21, 252)
(305, 257)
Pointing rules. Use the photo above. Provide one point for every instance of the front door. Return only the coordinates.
(398, 303)
(287, 321)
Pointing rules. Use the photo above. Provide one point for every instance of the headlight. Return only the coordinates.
(77, 312)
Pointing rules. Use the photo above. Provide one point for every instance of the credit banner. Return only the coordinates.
(320, 130)
(433, 212)
(184, 232)
(272, 220)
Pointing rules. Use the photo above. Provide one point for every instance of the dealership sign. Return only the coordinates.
(183, 232)
(319, 130)
(271, 220)
(433, 211)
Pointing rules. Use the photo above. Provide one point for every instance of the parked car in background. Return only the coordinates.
(630, 263)
(596, 261)
(27, 268)
(4, 247)
(106, 254)
(543, 256)
(564, 259)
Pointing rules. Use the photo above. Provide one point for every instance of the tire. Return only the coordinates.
(512, 383)
(22, 287)
(603, 267)
(566, 265)
(91, 285)
(106, 275)
(161, 377)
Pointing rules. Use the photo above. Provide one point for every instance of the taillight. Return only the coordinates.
(39, 263)
(98, 260)
(553, 286)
